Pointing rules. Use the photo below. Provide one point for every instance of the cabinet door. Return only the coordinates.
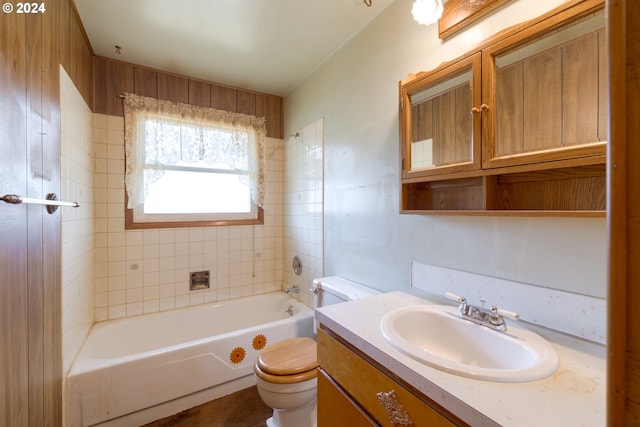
(336, 408)
(546, 94)
(385, 400)
(439, 133)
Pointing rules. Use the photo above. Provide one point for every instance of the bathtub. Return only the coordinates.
(134, 370)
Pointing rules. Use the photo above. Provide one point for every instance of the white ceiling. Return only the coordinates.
(267, 46)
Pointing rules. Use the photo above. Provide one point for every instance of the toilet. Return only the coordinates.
(286, 371)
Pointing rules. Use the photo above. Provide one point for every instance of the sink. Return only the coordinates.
(436, 336)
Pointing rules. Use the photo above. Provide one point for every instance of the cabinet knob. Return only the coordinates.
(483, 107)
(394, 409)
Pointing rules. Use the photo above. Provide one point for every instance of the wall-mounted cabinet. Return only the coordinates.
(516, 127)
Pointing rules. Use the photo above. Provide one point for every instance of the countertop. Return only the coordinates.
(574, 396)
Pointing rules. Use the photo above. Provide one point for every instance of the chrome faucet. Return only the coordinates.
(493, 319)
(293, 289)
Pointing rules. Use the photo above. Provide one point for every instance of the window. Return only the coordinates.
(191, 166)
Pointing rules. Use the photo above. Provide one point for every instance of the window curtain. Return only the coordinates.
(202, 136)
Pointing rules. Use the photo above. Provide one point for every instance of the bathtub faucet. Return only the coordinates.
(293, 290)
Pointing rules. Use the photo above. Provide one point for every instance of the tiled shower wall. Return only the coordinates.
(303, 207)
(145, 271)
(76, 173)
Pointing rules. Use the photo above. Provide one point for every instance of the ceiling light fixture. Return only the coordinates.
(426, 12)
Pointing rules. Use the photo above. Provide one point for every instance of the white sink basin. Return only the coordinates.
(435, 335)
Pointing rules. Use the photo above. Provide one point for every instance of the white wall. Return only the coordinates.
(366, 239)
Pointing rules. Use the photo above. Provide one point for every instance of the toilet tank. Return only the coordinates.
(334, 289)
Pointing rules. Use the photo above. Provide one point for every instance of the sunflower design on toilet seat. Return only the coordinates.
(259, 341)
(237, 355)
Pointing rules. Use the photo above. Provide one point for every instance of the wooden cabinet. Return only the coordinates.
(356, 392)
(534, 107)
(546, 92)
(441, 135)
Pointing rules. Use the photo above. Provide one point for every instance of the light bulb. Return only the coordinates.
(427, 12)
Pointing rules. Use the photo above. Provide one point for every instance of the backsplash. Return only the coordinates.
(144, 271)
(578, 315)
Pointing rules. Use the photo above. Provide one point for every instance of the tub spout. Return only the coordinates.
(293, 290)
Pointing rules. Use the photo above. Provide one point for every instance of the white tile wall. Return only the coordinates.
(303, 207)
(144, 271)
(76, 223)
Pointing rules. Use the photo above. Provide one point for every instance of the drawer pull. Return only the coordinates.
(394, 409)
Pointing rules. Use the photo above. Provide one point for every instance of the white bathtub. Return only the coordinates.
(132, 371)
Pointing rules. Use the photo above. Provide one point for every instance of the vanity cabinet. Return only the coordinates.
(357, 392)
(517, 127)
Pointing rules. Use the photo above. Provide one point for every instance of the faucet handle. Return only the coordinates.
(506, 313)
(454, 297)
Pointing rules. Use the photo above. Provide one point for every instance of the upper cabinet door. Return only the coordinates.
(439, 132)
(546, 94)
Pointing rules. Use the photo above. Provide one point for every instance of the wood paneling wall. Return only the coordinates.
(562, 87)
(113, 78)
(33, 46)
(623, 370)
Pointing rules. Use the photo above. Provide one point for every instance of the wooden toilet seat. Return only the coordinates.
(289, 361)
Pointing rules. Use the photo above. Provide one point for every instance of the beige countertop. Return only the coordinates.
(574, 396)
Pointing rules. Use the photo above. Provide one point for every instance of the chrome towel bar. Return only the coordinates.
(51, 202)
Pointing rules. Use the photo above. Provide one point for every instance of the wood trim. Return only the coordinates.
(623, 402)
(454, 18)
(130, 225)
(617, 219)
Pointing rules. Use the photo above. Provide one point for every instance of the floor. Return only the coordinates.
(241, 409)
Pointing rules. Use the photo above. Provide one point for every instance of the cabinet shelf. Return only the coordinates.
(556, 191)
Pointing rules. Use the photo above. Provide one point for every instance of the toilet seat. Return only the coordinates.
(289, 361)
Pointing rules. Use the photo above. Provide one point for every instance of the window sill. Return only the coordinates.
(129, 224)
